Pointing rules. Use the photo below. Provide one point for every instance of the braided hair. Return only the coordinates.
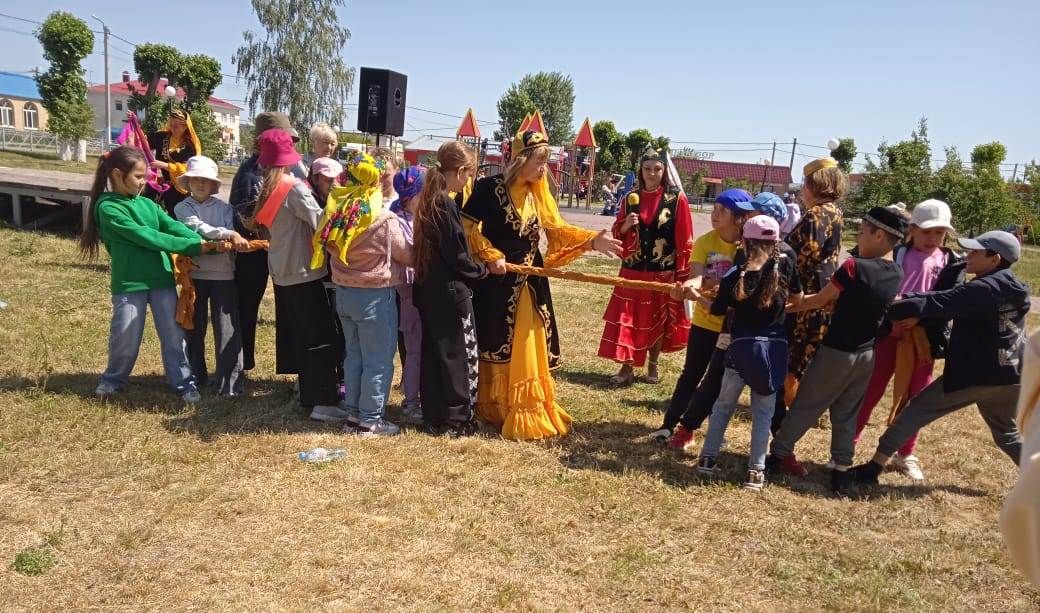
(772, 285)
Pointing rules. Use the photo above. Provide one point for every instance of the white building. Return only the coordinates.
(226, 114)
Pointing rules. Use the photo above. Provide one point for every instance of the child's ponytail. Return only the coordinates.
(773, 288)
(122, 158)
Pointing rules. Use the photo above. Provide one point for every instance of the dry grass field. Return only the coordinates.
(143, 504)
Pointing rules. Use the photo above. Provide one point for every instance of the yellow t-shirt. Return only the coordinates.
(717, 257)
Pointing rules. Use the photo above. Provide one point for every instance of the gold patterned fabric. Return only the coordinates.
(817, 242)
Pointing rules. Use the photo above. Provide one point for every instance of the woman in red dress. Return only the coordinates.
(656, 231)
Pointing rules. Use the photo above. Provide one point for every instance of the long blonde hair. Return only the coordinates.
(517, 163)
(451, 156)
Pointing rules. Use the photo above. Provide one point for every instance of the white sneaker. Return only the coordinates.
(328, 413)
(377, 428)
(908, 466)
(829, 465)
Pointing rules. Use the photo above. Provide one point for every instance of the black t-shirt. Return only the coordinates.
(748, 318)
(868, 286)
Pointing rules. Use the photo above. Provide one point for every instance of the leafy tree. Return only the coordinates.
(902, 173)
(552, 93)
(845, 153)
(637, 141)
(692, 182)
(606, 135)
(66, 40)
(153, 62)
(742, 183)
(989, 200)
(950, 184)
(297, 67)
(1031, 193)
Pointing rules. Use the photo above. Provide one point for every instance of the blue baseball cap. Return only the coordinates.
(736, 200)
(770, 204)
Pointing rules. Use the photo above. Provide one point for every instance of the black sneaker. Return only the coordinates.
(842, 482)
(708, 466)
(462, 428)
(866, 474)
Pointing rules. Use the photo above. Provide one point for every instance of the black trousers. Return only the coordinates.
(307, 338)
(251, 283)
(699, 348)
(337, 325)
(450, 359)
(707, 392)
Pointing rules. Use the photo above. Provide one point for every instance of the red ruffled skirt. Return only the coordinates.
(637, 319)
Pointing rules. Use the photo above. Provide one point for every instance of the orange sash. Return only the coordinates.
(273, 204)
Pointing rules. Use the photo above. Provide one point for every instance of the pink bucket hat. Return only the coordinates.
(276, 149)
(763, 228)
(326, 167)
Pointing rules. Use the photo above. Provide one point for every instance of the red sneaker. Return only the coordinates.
(789, 465)
(681, 439)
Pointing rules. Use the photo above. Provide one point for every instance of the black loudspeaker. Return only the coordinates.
(382, 101)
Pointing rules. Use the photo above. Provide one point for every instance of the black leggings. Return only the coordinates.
(699, 349)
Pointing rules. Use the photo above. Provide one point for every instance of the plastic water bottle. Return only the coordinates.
(320, 454)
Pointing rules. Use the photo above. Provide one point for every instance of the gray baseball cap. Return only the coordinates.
(1003, 243)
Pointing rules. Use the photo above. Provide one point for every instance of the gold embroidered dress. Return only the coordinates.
(516, 325)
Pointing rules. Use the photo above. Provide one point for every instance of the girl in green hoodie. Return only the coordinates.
(138, 236)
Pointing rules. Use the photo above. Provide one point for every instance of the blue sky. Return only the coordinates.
(695, 71)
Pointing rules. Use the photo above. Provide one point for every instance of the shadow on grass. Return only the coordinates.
(269, 406)
(622, 447)
(595, 380)
(103, 268)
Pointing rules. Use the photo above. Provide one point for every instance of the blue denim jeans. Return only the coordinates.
(124, 340)
(761, 418)
(369, 320)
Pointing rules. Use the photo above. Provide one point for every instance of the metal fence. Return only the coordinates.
(40, 141)
(28, 140)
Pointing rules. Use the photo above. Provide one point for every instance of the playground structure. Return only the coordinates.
(582, 166)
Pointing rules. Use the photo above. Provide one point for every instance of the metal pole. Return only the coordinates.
(794, 146)
(107, 140)
(766, 175)
(1014, 173)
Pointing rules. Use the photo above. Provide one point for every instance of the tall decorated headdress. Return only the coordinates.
(351, 208)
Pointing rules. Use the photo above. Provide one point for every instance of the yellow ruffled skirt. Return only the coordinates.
(520, 395)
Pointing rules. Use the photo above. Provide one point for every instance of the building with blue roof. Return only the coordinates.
(21, 107)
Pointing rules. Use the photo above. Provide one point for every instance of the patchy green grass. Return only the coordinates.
(207, 507)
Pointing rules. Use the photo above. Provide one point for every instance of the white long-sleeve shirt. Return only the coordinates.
(214, 220)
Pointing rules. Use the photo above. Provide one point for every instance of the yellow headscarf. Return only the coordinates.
(176, 169)
(350, 209)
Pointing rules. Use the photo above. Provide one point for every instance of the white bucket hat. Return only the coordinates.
(932, 213)
(199, 166)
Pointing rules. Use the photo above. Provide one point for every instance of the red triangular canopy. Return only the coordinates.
(525, 124)
(585, 136)
(536, 123)
(468, 128)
